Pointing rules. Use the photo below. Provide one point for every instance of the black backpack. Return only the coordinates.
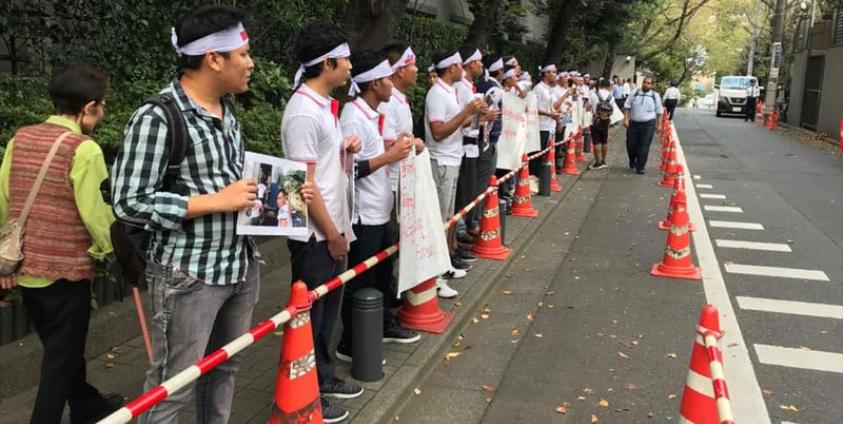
(603, 117)
(131, 242)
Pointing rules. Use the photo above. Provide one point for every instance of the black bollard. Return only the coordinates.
(367, 328)
(544, 177)
(502, 215)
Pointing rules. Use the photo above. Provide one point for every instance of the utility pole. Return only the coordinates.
(775, 58)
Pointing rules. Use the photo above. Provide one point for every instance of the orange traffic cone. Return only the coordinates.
(671, 146)
(421, 311)
(677, 197)
(296, 386)
(554, 182)
(570, 165)
(698, 400)
(580, 146)
(523, 204)
(490, 243)
(677, 256)
(669, 178)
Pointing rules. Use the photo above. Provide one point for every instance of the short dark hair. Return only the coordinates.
(75, 85)
(201, 22)
(314, 40)
(604, 83)
(365, 61)
(440, 55)
(652, 80)
(394, 51)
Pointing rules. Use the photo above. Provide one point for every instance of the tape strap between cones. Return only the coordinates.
(300, 367)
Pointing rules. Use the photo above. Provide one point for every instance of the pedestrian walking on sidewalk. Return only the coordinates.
(60, 251)
(603, 108)
(671, 98)
(641, 112)
(753, 92)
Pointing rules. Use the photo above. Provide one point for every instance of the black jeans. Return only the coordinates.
(670, 104)
(751, 103)
(60, 314)
(639, 135)
(311, 262)
(371, 239)
(467, 187)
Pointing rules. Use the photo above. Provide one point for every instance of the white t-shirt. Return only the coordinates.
(399, 119)
(441, 106)
(310, 133)
(372, 196)
(672, 93)
(545, 97)
(465, 94)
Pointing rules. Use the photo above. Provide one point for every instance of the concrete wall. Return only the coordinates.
(456, 11)
(797, 86)
(831, 103)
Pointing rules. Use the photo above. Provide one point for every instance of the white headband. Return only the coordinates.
(548, 68)
(448, 61)
(494, 67)
(512, 62)
(474, 56)
(343, 50)
(431, 69)
(382, 70)
(509, 74)
(408, 58)
(222, 41)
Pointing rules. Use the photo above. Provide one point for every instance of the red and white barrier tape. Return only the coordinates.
(158, 393)
(718, 377)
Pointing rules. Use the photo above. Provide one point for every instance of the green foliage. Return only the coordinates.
(23, 101)
(427, 35)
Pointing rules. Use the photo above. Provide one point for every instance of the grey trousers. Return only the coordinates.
(190, 320)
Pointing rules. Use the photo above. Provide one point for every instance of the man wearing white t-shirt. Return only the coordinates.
(467, 183)
(373, 198)
(443, 118)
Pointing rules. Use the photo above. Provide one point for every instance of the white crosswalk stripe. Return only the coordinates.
(716, 208)
(819, 310)
(752, 245)
(708, 186)
(736, 225)
(776, 271)
(799, 358)
(712, 196)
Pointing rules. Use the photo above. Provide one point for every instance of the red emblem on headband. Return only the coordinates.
(244, 36)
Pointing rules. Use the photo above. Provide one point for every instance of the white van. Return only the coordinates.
(731, 94)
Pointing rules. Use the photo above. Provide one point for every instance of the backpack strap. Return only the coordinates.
(30, 200)
(176, 139)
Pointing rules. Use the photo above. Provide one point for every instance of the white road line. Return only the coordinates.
(819, 310)
(747, 400)
(753, 245)
(704, 186)
(776, 271)
(799, 358)
(735, 225)
(696, 177)
(715, 208)
(713, 196)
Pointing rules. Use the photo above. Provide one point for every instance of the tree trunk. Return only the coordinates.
(485, 12)
(369, 22)
(557, 38)
(609, 61)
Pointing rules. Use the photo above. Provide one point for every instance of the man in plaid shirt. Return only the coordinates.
(203, 278)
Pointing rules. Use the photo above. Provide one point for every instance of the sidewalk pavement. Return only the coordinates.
(122, 368)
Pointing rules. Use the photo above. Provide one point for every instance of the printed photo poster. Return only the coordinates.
(513, 139)
(280, 209)
(424, 250)
(534, 143)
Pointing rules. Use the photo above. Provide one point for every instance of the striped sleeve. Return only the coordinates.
(138, 175)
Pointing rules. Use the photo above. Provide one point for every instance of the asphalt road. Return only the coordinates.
(608, 342)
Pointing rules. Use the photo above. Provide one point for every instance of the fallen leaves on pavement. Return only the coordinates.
(604, 403)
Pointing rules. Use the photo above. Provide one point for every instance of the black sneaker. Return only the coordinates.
(340, 389)
(98, 409)
(640, 171)
(399, 334)
(332, 413)
(466, 255)
(465, 238)
(458, 263)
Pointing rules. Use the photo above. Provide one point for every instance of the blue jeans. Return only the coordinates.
(639, 135)
(191, 319)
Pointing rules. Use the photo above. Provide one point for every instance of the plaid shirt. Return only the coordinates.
(207, 247)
